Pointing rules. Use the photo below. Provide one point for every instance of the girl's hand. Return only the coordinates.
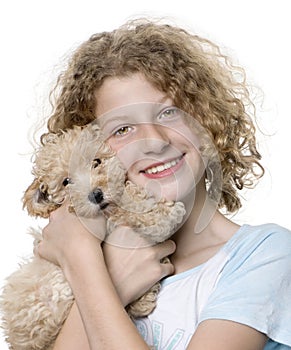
(134, 265)
(67, 236)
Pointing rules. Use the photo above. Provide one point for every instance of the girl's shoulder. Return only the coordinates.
(250, 238)
(248, 247)
(253, 247)
(254, 284)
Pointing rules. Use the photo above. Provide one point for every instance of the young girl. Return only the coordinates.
(227, 286)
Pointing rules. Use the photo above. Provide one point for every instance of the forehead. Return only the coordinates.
(118, 92)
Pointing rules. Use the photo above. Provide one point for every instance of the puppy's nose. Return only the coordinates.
(96, 196)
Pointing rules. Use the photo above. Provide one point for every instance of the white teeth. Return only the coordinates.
(163, 167)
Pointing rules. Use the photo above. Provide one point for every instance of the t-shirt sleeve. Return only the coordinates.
(255, 285)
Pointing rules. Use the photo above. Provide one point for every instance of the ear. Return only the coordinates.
(35, 200)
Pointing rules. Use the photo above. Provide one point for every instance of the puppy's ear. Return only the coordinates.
(36, 201)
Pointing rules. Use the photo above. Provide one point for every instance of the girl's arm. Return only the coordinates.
(106, 323)
(226, 335)
(72, 335)
(100, 316)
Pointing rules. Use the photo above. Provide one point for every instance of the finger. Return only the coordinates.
(45, 232)
(38, 249)
(167, 269)
(35, 249)
(164, 249)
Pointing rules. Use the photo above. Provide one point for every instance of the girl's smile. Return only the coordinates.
(163, 169)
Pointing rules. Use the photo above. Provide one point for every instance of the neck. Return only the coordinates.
(200, 210)
(202, 234)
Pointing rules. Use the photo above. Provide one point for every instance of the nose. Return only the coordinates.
(96, 196)
(154, 138)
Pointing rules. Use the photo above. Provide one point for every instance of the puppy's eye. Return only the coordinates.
(96, 162)
(43, 188)
(67, 181)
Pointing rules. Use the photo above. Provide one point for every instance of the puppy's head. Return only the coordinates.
(97, 176)
(76, 164)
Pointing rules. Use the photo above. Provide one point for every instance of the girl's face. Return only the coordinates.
(150, 136)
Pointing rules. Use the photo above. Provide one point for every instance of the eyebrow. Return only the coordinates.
(163, 99)
(114, 119)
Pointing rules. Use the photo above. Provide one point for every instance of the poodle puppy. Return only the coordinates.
(79, 165)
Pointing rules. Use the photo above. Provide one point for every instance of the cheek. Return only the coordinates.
(196, 164)
(113, 144)
(190, 138)
(121, 151)
(129, 153)
(123, 148)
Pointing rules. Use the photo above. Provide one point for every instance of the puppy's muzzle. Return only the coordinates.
(96, 196)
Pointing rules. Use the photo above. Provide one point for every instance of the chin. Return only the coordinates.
(174, 188)
(172, 192)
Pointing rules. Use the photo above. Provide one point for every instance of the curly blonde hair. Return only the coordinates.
(191, 70)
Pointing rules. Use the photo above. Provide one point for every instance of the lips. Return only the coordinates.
(163, 169)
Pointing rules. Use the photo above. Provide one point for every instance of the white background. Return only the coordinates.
(35, 36)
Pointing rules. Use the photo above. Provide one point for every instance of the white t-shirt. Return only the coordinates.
(247, 281)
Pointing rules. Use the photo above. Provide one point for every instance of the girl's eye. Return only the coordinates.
(169, 113)
(122, 131)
